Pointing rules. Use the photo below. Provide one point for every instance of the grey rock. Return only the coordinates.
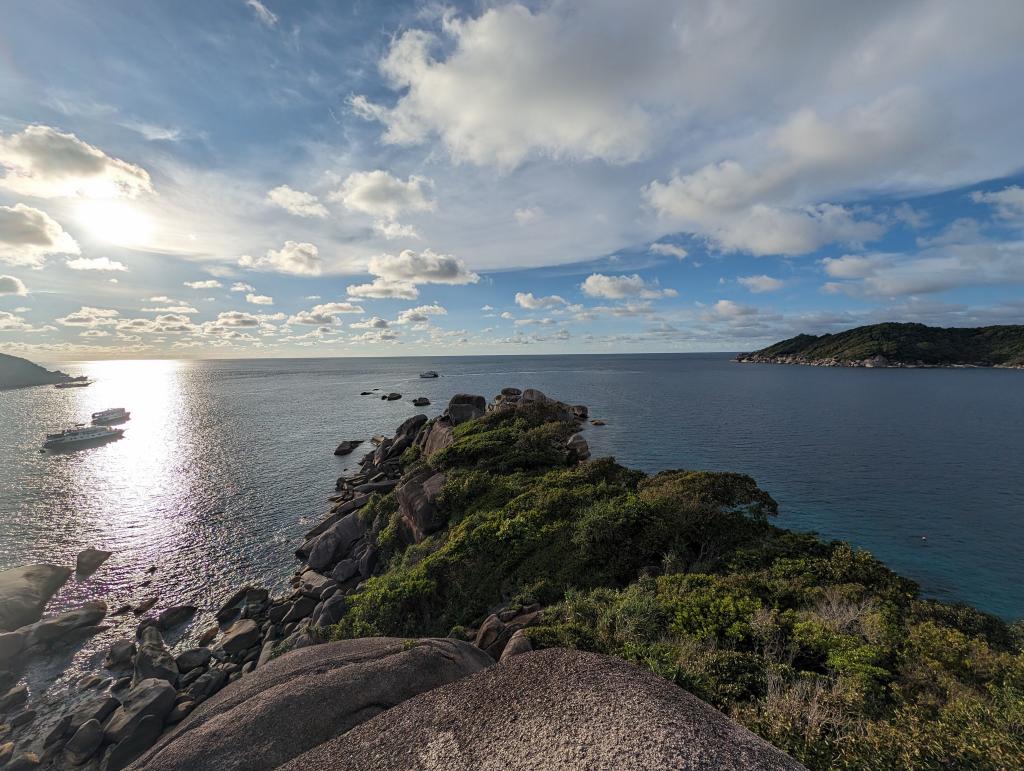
(208, 636)
(301, 608)
(98, 708)
(393, 397)
(517, 644)
(241, 635)
(85, 742)
(337, 513)
(180, 711)
(53, 628)
(230, 608)
(153, 660)
(465, 407)
(345, 570)
(332, 611)
(377, 487)
(119, 654)
(578, 445)
(133, 744)
(23, 762)
(550, 709)
(190, 677)
(306, 697)
(313, 583)
(89, 561)
(151, 698)
(145, 605)
(15, 696)
(11, 644)
(334, 543)
(417, 504)
(438, 436)
(421, 401)
(347, 446)
(193, 658)
(206, 685)
(59, 730)
(121, 683)
(18, 719)
(24, 592)
(173, 616)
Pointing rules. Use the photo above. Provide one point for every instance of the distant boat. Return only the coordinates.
(76, 382)
(429, 373)
(113, 415)
(80, 435)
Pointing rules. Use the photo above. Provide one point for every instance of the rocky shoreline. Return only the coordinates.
(873, 362)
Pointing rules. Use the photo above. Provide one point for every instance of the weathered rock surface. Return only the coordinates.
(334, 543)
(550, 709)
(306, 697)
(150, 698)
(438, 436)
(465, 407)
(119, 654)
(24, 592)
(172, 617)
(53, 628)
(347, 446)
(193, 658)
(84, 743)
(421, 401)
(417, 504)
(241, 635)
(153, 660)
(89, 561)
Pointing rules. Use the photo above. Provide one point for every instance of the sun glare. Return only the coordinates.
(116, 222)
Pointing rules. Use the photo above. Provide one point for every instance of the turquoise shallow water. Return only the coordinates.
(225, 463)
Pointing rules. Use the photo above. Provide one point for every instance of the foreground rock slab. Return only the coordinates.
(305, 698)
(25, 591)
(550, 709)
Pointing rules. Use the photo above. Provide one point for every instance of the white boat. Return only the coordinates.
(79, 435)
(75, 382)
(429, 373)
(113, 415)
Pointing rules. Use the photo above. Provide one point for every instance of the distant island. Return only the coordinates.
(16, 372)
(900, 345)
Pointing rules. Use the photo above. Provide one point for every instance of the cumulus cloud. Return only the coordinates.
(299, 259)
(669, 250)
(28, 236)
(762, 283)
(1008, 202)
(46, 163)
(297, 202)
(87, 316)
(181, 309)
(12, 285)
(621, 287)
(528, 214)
(381, 194)
(426, 267)
(259, 299)
(324, 315)
(528, 301)
(96, 263)
(240, 286)
(210, 283)
(420, 314)
(383, 289)
(372, 323)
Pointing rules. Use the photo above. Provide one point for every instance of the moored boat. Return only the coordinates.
(76, 382)
(81, 435)
(113, 415)
(429, 373)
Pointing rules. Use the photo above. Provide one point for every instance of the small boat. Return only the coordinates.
(429, 373)
(113, 415)
(80, 435)
(76, 382)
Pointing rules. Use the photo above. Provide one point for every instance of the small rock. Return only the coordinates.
(207, 684)
(151, 698)
(121, 683)
(300, 609)
(517, 643)
(145, 605)
(230, 607)
(347, 446)
(119, 654)
(24, 717)
(597, 423)
(58, 732)
(192, 659)
(180, 711)
(14, 697)
(240, 636)
(144, 736)
(172, 617)
(89, 561)
(153, 660)
(98, 708)
(421, 401)
(392, 397)
(84, 743)
(208, 636)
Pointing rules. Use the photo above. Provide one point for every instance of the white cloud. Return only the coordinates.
(381, 194)
(28, 236)
(393, 230)
(46, 163)
(96, 263)
(235, 319)
(259, 299)
(383, 289)
(182, 309)
(426, 267)
(528, 301)
(372, 323)
(528, 214)
(11, 285)
(1008, 202)
(621, 287)
(729, 310)
(299, 259)
(420, 314)
(240, 286)
(297, 202)
(9, 322)
(264, 14)
(324, 315)
(669, 250)
(507, 316)
(87, 316)
(762, 283)
(210, 283)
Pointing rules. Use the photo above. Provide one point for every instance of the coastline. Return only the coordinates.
(874, 362)
(390, 506)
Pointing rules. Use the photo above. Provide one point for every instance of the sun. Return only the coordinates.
(115, 222)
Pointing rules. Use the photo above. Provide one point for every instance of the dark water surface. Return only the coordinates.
(226, 463)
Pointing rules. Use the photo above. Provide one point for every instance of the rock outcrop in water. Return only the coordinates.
(25, 591)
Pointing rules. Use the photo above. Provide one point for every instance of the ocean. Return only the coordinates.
(226, 463)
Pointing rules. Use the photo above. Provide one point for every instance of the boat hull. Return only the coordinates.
(75, 444)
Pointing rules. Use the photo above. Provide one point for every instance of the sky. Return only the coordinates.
(248, 178)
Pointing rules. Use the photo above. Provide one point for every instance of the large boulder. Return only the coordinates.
(417, 504)
(465, 407)
(54, 628)
(25, 591)
(437, 436)
(334, 543)
(153, 660)
(305, 698)
(550, 709)
(151, 697)
(240, 636)
(89, 561)
(347, 446)
(176, 615)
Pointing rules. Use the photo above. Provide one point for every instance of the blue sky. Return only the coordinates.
(309, 178)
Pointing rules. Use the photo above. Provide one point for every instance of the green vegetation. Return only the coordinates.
(816, 646)
(910, 344)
